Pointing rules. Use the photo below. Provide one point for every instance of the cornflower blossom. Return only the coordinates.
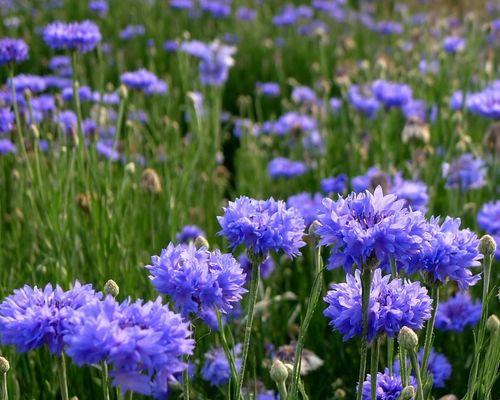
(189, 233)
(6, 120)
(7, 147)
(281, 167)
(488, 219)
(334, 184)
(413, 192)
(368, 225)
(13, 51)
(100, 7)
(303, 94)
(132, 31)
(485, 103)
(32, 317)
(268, 89)
(392, 305)
(308, 204)
(465, 173)
(74, 36)
(216, 369)
(392, 94)
(145, 81)
(197, 280)
(33, 83)
(263, 226)
(290, 123)
(143, 342)
(453, 44)
(389, 387)
(362, 99)
(457, 313)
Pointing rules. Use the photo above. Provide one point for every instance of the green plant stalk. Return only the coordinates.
(429, 332)
(402, 363)
(252, 299)
(63, 380)
(479, 337)
(104, 380)
(282, 390)
(5, 393)
(225, 346)
(418, 376)
(185, 384)
(302, 390)
(390, 354)
(313, 301)
(374, 368)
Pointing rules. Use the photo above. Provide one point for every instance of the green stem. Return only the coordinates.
(429, 333)
(374, 368)
(303, 390)
(5, 393)
(104, 380)
(63, 380)
(418, 377)
(252, 299)
(313, 301)
(402, 362)
(282, 390)
(130, 395)
(390, 354)
(225, 346)
(185, 384)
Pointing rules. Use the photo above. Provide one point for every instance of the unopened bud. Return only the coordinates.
(407, 338)
(340, 394)
(278, 372)
(200, 241)
(112, 288)
(123, 92)
(313, 228)
(4, 365)
(407, 393)
(150, 181)
(130, 167)
(487, 245)
(492, 323)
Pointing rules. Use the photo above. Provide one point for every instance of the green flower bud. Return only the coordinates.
(340, 394)
(487, 245)
(313, 228)
(278, 372)
(407, 393)
(200, 241)
(492, 323)
(4, 365)
(111, 288)
(407, 339)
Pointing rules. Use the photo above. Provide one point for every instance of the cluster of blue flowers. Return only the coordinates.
(75, 36)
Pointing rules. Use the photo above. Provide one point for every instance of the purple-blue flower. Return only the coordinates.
(453, 44)
(268, 89)
(281, 167)
(189, 233)
(141, 79)
(303, 94)
(263, 226)
(465, 173)
(485, 103)
(13, 51)
(132, 31)
(488, 217)
(334, 184)
(77, 36)
(33, 83)
(216, 369)
(438, 366)
(6, 120)
(413, 192)
(392, 94)
(308, 204)
(393, 304)
(7, 147)
(389, 387)
(362, 99)
(458, 312)
(31, 317)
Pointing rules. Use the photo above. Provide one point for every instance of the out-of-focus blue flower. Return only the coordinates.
(281, 167)
(67, 121)
(453, 44)
(363, 100)
(392, 94)
(58, 63)
(450, 254)
(393, 304)
(465, 173)
(107, 150)
(217, 8)
(485, 103)
(457, 313)
(246, 14)
(266, 268)
(100, 7)
(364, 182)
(415, 109)
(216, 369)
(488, 217)
(182, 4)
(6, 120)
(335, 104)
(189, 233)
(80, 36)
(303, 94)
(171, 46)
(263, 226)
(438, 366)
(132, 31)
(145, 81)
(196, 279)
(7, 147)
(389, 28)
(142, 342)
(245, 126)
(413, 192)
(308, 204)
(369, 225)
(268, 89)
(33, 83)
(389, 387)
(291, 122)
(334, 184)
(31, 317)
(84, 93)
(456, 100)
(13, 51)
(428, 66)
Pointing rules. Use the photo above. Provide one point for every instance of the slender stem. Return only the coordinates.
(104, 380)
(390, 354)
(76, 98)
(402, 363)
(5, 393)
(302, 390)
(254, 285)
(130, 395)
(374, 368)
(185, 383)
(225, 346)
(418, 377)
(429, 333)
(366, 278)
(282, 390)
(313, 301)
(63, 380)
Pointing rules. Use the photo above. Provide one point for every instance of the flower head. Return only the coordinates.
(453, 44)
(308, 205)
(6, 120)
(216, 369)
(363, 100)
(389, 387)
(281, 167)
(488, 217)
(457, 313)
(13, 51)
(263, 226)
(189, 233)
(334, 184)
(465, 173)
(393, 304)
(392, 94)
(80, 36)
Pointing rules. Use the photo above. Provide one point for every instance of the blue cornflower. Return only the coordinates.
(268, 89)
(79, 36)
(364, 182)
(132, 31)
(33, 83)
(246, 14)
(263, 226)
(465, 173)
(141, 79)
(457, 313)
(171, 46)
(389, 387)
(308, 204)
(488, 217)
(216, 369)
(31, 317)
(291, 122)
(189, 233)
(13, 51)
(392, 94)
(449, 255)
(389, 27)
(362, 99)
(457, 100)
(281, 167)
(100, 7)
(107, 150)
(266, 267)
(197, 280)
(6, 120)
(142, 342)
(303, 94)
(453, 44)
(365, 225)
(334, 184)
(413, 192)
(438, 366)
(485, 103)
(415, 109)
(217, 8)
(7, 147)
(182, 4)
(59, 63)
(393, 304)
(84, 93)
(67, 121)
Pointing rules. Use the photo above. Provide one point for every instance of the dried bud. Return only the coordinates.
(407, 338)
(123, 92)
(416, 129)
(340, 394)
(112, 288)
(407, 393)
(200, 241)
(278, 372)
(130, 167)
(83, 200)
(150, 181)
(487, 245)
(4, 365)
(492, 323)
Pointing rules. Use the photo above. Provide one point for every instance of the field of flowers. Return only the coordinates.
(249, 199)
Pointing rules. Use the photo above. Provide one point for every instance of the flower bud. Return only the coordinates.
(111, 288)
(200, 241)
(278, 372)
(314, 227)
(407, 338)
(4, 365)
(123, 92)
(492, 323)
(339, 394)
(407, 393)
(487, 245)
(150, 181)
